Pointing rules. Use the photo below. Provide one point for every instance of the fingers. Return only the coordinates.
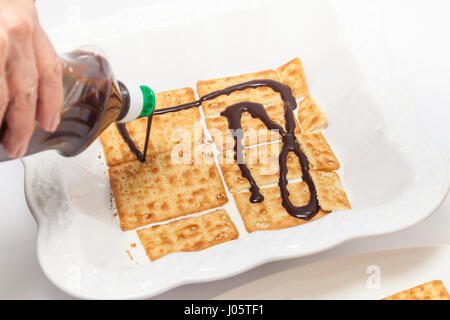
(4, 95)
(22, 79)
(50, 90)
(30, 76)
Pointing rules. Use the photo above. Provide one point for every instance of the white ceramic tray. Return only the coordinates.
(373, 275)
(394, 175)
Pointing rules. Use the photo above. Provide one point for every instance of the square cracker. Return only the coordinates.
(163, 135)
(433, 290)
(293, 76)
(310, 116)
(254, 130)
(270, 214)
(318, 151)
(263, 164)
(189, 234)
(161, 189)
(330, 192)
(263, 95)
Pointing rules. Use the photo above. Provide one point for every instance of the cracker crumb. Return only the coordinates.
(129, 254)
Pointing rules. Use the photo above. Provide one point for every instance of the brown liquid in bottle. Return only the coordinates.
(93, 100)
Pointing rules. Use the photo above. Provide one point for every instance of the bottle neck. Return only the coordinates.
(125, 101)
(137, 101)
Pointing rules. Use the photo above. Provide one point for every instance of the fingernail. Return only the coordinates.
(20, 152)
(55, 123)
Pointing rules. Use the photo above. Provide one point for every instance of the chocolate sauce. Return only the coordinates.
(92, 101)
(233, 114)
(121, 127)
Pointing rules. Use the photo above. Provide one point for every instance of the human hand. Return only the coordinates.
(30, 76)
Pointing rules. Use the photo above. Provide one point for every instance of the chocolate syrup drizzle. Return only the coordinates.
(121, 127)
(233, 113)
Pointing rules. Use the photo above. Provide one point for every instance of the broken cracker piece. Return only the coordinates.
(263, 95)
(160, 189)
(433, 290)
(293, 76)
(318, 151)
(330, 192)
(270, 214)
(310, 116)
(189, 234)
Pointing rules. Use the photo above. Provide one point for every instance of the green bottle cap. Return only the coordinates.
(149, 101)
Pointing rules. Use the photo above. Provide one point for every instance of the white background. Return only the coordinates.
(417, 37)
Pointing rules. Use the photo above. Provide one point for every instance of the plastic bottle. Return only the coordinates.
(93, 99)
